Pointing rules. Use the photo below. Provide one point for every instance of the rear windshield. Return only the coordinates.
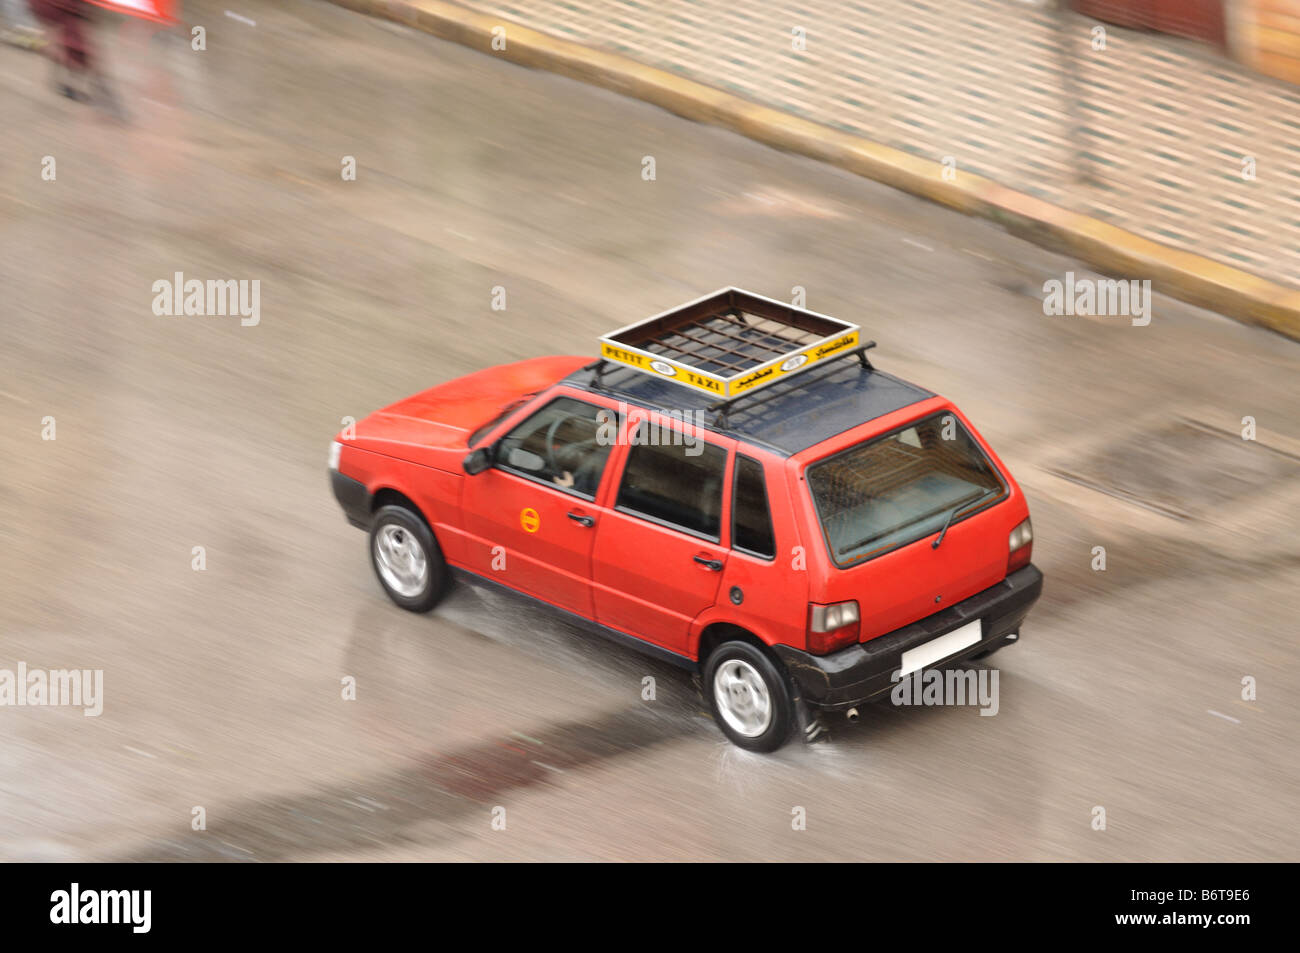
(896, 489)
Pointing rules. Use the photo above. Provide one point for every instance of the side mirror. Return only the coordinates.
(477, 461)
(522, 459)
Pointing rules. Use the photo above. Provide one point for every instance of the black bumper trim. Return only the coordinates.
(353, 497)
(853, 675)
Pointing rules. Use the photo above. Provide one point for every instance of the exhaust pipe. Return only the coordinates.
(851, 714)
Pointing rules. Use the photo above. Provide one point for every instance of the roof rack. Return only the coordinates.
(723, 407)
(730, 343)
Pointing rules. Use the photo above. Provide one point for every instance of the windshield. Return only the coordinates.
(478, 435)
(899, 488)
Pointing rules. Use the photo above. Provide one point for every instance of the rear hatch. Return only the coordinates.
(881, 504)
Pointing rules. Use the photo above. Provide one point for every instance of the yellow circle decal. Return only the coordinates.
(529, 519)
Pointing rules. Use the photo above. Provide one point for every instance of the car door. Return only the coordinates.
(659, 552)
(530, 518)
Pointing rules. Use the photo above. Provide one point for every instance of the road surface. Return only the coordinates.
(222, 685)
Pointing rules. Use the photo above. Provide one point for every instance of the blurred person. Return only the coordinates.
(18, 27)
(76, 63)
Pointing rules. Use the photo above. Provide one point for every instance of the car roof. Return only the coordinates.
(787, 417)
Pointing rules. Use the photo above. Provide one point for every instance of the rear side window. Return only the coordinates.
(751, 520)
(901, 487)
(670, 485)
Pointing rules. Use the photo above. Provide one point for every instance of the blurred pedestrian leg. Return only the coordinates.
(18, 27)
(76, 65)
(67, 50)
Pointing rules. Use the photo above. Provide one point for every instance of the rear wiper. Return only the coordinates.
(948, 522)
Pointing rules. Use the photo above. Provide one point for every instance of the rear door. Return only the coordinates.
(765, 587)
(659, 553)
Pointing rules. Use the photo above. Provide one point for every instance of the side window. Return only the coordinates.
(680, 485)
(751, 520)
(565, 444)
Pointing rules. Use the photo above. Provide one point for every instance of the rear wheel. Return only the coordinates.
(406, 558)
(749, 696)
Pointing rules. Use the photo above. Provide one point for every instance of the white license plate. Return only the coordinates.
(927, 653)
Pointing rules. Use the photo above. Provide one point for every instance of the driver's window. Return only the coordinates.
(565, 445)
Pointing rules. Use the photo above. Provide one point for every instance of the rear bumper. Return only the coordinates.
(853, 675)
(353, 497)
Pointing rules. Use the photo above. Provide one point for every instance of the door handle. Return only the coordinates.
(578, 518)
(715, 565)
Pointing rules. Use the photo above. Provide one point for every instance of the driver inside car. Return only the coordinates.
(576, 451)
(562, 445)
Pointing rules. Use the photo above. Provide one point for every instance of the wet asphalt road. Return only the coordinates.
(222, 686)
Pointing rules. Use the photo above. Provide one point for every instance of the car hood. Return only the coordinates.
(444, 417)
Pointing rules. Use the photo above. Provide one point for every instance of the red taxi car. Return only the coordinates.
(731, 486)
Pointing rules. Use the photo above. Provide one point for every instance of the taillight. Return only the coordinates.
(832, 627)
(1021, 546)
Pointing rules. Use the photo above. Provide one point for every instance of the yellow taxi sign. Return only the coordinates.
(729, 343)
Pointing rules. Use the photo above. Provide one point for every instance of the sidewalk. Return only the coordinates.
(1162, 124)
(1150, 135)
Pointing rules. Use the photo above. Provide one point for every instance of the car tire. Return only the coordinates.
(406, 558)
(749, 696)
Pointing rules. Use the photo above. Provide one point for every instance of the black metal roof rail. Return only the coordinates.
(723, 407)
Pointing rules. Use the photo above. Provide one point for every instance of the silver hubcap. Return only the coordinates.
(401, 561)
(742, 697)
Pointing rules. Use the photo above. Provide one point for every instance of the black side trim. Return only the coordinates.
(595, 628)
(354, 499)
(853, 675)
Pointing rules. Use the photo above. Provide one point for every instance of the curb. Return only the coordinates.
(1189, 277)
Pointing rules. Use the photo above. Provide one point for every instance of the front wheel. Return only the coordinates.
(749, 696)
(407, 559)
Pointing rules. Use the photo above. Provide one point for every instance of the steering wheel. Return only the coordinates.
(551, 463)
